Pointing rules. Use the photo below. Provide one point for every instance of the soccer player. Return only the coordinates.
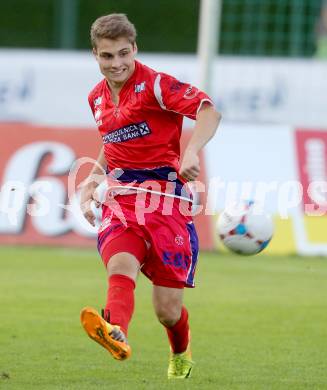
(139, 114)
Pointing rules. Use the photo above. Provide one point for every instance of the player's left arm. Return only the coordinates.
(207, 121)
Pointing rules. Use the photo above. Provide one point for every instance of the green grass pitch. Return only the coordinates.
(257, 323)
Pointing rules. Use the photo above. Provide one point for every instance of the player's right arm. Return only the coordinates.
(88, 194)
(187, 100)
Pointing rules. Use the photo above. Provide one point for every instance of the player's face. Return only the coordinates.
(116, 59)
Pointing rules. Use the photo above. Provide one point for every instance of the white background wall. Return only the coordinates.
(51, 87)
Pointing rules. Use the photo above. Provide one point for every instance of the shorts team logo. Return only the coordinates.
(179, 240)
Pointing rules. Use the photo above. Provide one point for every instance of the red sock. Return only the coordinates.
(120, 301)
(179, 333)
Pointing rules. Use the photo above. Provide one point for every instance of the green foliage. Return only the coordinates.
(257, 323)
(270, 27)
(248, 27)
(27, 23)
(162, 25)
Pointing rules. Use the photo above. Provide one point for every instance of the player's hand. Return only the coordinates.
(190, 167)
(88, 195)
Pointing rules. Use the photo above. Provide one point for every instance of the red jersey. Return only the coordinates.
(143, 131)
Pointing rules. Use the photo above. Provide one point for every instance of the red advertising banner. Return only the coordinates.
(311, 147)
(34, 158)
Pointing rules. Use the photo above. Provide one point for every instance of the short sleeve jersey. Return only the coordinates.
(143, 131)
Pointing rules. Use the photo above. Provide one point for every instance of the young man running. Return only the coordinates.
(139, 114)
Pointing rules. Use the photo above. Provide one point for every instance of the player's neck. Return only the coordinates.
(115, 88)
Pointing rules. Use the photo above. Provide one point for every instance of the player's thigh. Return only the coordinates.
(123, 253)
(167, 303)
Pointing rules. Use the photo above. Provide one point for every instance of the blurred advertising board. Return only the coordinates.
(311, 148)
(279, 166)
(283, 168)
(311, 229)
(51, 87)
(37, 207)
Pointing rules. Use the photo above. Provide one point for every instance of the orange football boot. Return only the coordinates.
(109, 336)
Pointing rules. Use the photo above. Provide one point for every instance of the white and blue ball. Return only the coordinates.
(244, 228)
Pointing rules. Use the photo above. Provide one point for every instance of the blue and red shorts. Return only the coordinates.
(162, 238)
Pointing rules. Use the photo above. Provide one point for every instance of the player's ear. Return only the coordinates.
(94, 51)
(135, 48)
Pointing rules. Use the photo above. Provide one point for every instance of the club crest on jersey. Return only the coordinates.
(97, 101)
(191, 92)
(139, 87)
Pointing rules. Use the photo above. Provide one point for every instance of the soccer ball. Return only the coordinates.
(244, 228)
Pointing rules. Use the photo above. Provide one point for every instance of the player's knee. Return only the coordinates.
(168, 316)
(123, 264)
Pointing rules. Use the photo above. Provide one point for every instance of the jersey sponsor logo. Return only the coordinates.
(139, 87)
(97, 101)
(191, 92)
(127, 133)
